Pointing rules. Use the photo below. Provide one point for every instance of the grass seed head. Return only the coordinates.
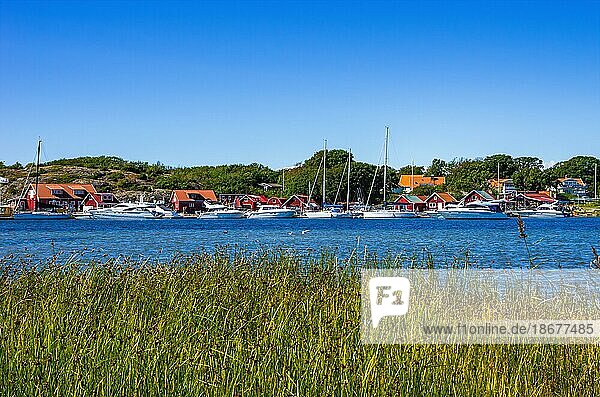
(521, 226)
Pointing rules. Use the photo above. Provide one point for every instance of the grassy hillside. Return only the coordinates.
(123, 183)
(130, 179)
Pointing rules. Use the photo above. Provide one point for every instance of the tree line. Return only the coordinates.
(527, 173)
(366, 180)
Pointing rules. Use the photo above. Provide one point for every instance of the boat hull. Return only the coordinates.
(318, 215)
(125, 216)
(171, 216)
(465, 215)
(341, 215)
(272, 215)
(36, 216)
(221, 215)
(388, 214)
(82, 215)
(539, 214)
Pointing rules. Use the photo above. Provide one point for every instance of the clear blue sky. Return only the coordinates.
(190, 83)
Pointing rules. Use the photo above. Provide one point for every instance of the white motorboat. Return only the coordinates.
(324, 214)
(128, 211)
(543, 211)
(388, 214)
(41, 215)
(160, 208)
(272, 211)
(219, 211)
(82, 215)
(338, 213)
(328, 214)
(473, 210)
(164, 211)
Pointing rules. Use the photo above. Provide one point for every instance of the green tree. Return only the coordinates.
(529, 162)
(529, 179)
(468, 175)
(530, 174)
(410, 169)
(508, 166)
(576, 167)
(438, 167)
(427, 190)
(361, 179)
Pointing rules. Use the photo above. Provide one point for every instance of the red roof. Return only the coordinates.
(447, 197)
(539, 197)
(183, 195)
(413, 181)
(254, 198)
(303, 198)
(45, 190)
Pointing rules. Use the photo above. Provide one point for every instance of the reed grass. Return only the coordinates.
(232, 323)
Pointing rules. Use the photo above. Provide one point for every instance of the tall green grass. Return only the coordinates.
(236, 324)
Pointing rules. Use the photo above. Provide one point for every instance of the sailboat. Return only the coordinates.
(385, 213)
(38, 214)
(323, 213)
(337, 212)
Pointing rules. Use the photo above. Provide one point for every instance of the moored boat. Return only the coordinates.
(165, 212)
(272, 211)
(219, 211)
(41, 215)
(339, 213)
(386, 213)
(543, 211)
(321, 214)
(37, 213)
(82, 215)
(473, 210)
(128, 211)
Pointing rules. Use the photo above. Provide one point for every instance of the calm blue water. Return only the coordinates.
(553, 242)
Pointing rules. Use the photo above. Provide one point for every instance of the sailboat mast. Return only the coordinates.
(324, 170)
(595, 181)
(498, 179)
(348, 189)
(37, 175)
(385, 162)
(412, 175)
(308, 197)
